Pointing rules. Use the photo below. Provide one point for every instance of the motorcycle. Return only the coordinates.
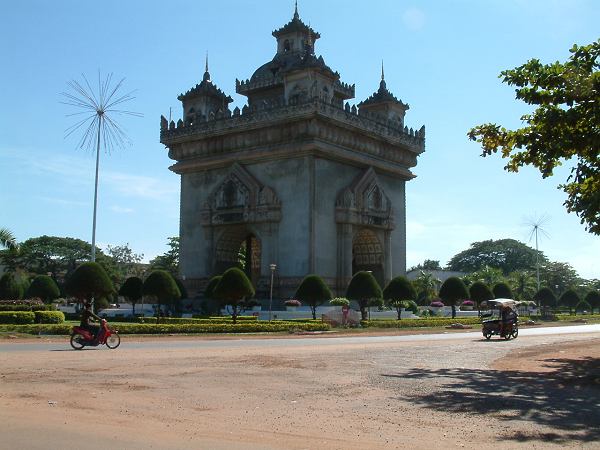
(503, 319)
(80, 337)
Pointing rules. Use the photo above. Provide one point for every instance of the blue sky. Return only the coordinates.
(441, 57)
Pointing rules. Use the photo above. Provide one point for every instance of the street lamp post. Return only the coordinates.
(272, 267)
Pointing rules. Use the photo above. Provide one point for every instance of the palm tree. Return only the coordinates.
(7, 239)
(426, 285)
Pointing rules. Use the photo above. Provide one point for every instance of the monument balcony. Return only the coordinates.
(248, 86)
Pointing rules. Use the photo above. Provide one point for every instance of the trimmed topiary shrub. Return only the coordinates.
(89, 281)
(43, 287)
(582, 305)
(398, 291)
(232, 290)
(545, 297)
(10, 288)
(502, 290)
(593, 298)
(132, 290)
(452, 291)
(570, 299)
(161, 285)
(364, 289)
(314, 292)
(480, 292)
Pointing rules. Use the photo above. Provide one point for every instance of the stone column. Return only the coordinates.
(387, 251)
(344, 256)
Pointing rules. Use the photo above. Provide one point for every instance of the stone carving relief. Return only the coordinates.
(364, 202)
(241, 198)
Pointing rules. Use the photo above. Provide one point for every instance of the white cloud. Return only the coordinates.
(120, 209)
(413, 18)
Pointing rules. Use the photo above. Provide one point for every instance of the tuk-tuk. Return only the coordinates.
(502, 320)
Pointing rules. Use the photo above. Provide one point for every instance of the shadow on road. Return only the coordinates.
(566, 399)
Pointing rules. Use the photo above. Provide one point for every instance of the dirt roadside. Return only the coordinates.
(457, 393)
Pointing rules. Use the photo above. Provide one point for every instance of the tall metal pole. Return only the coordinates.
(96, 189)
(537, 262)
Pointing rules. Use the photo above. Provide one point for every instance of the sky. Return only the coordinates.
(443, 58)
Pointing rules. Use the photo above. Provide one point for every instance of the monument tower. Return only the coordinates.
(298, 177)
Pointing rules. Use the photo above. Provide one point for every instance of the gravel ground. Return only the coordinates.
(456, 393)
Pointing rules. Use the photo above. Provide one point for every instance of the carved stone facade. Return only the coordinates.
(297, 177)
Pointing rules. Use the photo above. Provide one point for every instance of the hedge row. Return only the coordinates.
(27, 317)
(17, 317)
(568, 317)
(418, 323)
(175, 329)
(20, 307)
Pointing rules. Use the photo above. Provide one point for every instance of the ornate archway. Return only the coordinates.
(367, 254)
(239, 247)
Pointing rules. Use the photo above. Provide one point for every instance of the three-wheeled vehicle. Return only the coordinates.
(502, 320)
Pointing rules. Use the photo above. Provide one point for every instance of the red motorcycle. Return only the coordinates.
(81, 337)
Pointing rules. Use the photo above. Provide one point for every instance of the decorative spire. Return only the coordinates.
(206, 73)
(382, 85)
(296, 15)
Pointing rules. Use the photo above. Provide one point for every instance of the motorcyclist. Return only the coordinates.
(87, 319)
(507, 318)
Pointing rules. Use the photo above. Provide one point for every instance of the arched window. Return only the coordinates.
(286, 45)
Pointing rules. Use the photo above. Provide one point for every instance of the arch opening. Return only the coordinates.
(239, 247)
(367, 254)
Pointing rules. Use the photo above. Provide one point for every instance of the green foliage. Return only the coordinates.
(210, 287)
(487, 275)
(452, 291)
(49, 317)
(593, 298)
(583, 306)
(242, 327)
(419, 323)
(132, 290)
(43, 287)
(398, 292)
(233, 288)
(10, 288)
(523, 284)
(569, 298)
(339, 301)
(559, 274)
(545, 297)
(508, 255)
(168, 261)
(480, 292)
(363, 289)
(125, 259)
(562, 127)
(17, 317)
(181, 287)
(428, 264)
(7, 239)
(502, 290)
(313, 292)
(162, 286)
(89, 280)
(425, 285)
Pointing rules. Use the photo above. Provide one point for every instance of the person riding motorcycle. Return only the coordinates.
(507, 318)
(87, 317)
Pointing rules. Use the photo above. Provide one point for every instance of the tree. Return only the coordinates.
(563, 127)
(523, 284)
(570, 299)
(593, 298)
(232, 290)
(452, 291)
(560, 276)
(488, 275)
(313, 292)
(89, 281)
(397, 292)
(480, 292)
(501, 290)
(363, 288)
(507, 255)
(161, 285)
(7, 239)
(168, 261)
(126, 261)
(428, 264)
(10, 288)
(545, 297)
(132, 290)
(43, 287)
(426, 286)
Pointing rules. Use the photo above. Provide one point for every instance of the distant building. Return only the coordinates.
(298, 177)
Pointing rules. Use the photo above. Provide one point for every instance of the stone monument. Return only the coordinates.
(298, 177)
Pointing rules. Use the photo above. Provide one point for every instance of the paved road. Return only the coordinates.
(271, 343)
